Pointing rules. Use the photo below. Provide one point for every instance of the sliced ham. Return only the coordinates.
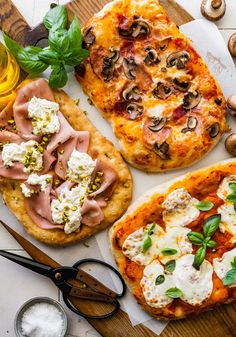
(16, 172)
(39, 89)
(92, 214)
(78, 141)
(7, 136)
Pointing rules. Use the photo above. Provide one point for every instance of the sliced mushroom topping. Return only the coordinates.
(129, 66)
(109, 65)
(114, 57)
(89, 37)
(213, 130)
(218, 101)
(131, 93)
(181, 85)
(162, 151)
(164, 43)
(191, 125)
(152, 57)
(157, 124)
(191, 100)
(134, 110)
(162, 90)
(139, 29)
(178, 59)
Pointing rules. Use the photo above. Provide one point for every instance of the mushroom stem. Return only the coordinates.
(216, 4)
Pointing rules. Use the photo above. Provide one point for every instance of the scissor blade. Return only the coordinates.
(27, 263)
(32, 250)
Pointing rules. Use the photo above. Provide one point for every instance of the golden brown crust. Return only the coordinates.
(135, 138)
(99, 146)
(146, 209)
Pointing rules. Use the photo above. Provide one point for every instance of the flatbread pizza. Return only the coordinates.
(176, 245)
(62, 179)
(166, 109)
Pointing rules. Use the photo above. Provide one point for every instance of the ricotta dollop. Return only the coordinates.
(80, 166)
(34, 179)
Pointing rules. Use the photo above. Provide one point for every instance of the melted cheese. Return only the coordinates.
(179, 208)
(44, 116)
(132, 247)
(80, 166)
(224, 190)
(175, 238)
(223, 265)
(228, 219)
(155, 294)
(196, 285)
(27, 153)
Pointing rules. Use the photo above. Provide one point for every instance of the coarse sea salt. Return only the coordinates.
(42, 320)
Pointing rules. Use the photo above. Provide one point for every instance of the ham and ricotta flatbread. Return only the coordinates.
(62, 179)
(165, 107)
(176, 245)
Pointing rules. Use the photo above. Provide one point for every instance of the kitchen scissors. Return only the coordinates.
(72, 281)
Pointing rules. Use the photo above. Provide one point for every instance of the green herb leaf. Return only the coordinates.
(170, 266)
(29, 60)
(151, 230)
(49, 56)
(211, 225)
(56, 18)
(75, 34)
(196, 238)
(174, 293)
(159, 280)
(58, 40)
(199, 257)
(233, 263)
(205, 205)
(12, 45)
(146, 244)
(230, 277)
(211, 244)
(169, 251)
(75, 56)
(58, 77)
(232, 197)
(232, 186)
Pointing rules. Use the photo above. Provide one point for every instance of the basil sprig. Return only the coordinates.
(230, 277)
(174, 293)
(65, 48)
(159, 280)
(169, 251)
(147, 239)
(205, 205)
(170, 266)
(210, 226)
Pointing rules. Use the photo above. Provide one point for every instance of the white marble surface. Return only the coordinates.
(18, 285)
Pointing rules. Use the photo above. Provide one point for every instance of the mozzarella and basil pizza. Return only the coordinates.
(62, 179)
(165, 107)
(176, 246)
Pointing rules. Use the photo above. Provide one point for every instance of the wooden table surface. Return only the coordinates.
(33, 11)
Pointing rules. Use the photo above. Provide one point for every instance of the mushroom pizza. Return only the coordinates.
(165, 107)
(176, 245)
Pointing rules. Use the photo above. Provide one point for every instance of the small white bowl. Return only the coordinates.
(29, 304)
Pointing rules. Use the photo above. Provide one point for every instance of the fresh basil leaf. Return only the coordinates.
(232, 197)
(170, 266)
(58, 40)
(235, 206)
(29, 61)
(196, 238)
(58, 77)
(12, 45)
(199, 257)
(49, 56)
(205, 205)
(233, 263)
(75, 56)
(159, 280)
(211, 244)
(146, 244)
(174, 293)
(230, 277)
(56, 18)
(75, 34)
(151, 230)
(211, 225)
(232, 186)
(168, 251)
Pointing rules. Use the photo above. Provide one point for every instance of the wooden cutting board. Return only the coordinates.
(217, 323)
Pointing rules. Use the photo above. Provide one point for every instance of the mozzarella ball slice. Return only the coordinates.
(224, 190)
(223, 265)
(228, 219)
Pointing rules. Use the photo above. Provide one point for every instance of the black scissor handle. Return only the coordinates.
(90, 260)
(87, 316)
